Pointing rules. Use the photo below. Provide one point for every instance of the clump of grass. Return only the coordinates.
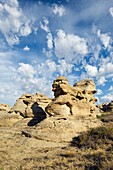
(100, 159)
(68, 154)
(107, 117)
(94, 137)
(97, 146)
(96, 159)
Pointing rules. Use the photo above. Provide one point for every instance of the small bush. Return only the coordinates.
(108, 117)
(94, 137)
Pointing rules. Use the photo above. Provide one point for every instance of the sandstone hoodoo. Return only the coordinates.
(72, 100)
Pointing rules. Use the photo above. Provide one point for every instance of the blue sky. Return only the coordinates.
(40, 40)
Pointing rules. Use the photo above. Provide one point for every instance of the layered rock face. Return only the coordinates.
(72, 100)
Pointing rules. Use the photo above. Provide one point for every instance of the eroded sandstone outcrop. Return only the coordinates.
(36, 122)
(4, 107)
(72, 100)
(31, 105)
(70, 112)
(77, 100)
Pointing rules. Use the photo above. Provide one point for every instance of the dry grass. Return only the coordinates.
(95, 137)
(97, 147)
(92, 150)
(106, 117)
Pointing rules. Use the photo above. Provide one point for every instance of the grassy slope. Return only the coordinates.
(97, 145)
(92, 150)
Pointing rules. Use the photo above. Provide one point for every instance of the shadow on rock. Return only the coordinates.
(39, 115)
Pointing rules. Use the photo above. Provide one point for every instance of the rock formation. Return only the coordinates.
(75, 101)
(30, 105)
(36, 122)
(4, 107)
(71, 111)
(107, 107)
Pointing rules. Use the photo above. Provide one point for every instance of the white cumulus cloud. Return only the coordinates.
(36, 78)
(111, 88)
(44, 25)
(64, 68)
(107, 98)
(99, 92)
(25, 30)
(49, 41)
(105, 38)
(111, 11)
(58, 10)
(49, 51)
(12, 39)
(12, 2)
(91, 70)
(13, 22)
(101, 81)
(26, 70)
(70, 47)
(26, 48)
(106, 68)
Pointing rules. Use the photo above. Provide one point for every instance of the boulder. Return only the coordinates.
(85, 85)
(31, 106)
(4, 107)
(20, 106)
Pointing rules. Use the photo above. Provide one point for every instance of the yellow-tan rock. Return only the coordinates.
(31, 105)
(72, 100)
(4, 107)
